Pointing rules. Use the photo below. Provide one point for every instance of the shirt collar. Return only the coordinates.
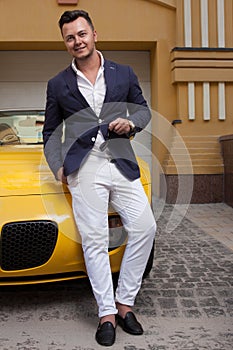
(77, 71)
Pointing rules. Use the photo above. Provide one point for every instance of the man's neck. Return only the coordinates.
(91, 63)
(90, 66)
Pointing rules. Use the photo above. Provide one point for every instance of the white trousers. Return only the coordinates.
(92, 187)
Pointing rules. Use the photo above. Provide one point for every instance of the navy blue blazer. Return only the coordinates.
(68, 112)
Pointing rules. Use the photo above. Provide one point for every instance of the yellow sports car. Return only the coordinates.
(39, 241)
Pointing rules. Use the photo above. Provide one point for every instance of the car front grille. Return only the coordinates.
(27, 244)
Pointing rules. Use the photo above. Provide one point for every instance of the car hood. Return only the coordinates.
(24, 171)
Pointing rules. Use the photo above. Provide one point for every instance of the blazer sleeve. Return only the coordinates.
(137, 106)
(53, 130)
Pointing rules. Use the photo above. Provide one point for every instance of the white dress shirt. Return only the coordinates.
(93, 93)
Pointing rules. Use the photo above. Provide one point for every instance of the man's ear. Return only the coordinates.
(95, 35)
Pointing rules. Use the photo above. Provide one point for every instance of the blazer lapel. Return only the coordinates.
(110, 78)
(71, 81)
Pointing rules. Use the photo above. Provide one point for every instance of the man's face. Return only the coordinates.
(79, 38)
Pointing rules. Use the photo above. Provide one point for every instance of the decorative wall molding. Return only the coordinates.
(210, 65)
(67, 2)
(166, 3)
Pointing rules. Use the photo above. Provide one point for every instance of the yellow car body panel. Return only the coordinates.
(29, 192)
(24, 171)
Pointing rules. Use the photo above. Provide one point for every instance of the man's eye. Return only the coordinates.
(69, 39)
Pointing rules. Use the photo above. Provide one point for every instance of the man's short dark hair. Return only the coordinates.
(70, 16)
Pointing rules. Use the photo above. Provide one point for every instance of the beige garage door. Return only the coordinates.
(24, 76)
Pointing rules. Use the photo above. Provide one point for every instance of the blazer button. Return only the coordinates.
(93, 139)
(100, 121)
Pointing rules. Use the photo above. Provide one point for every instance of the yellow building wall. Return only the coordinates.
(203, 63)
(121, 25)
(202, 71)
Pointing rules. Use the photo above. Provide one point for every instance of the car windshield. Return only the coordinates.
(21, 127)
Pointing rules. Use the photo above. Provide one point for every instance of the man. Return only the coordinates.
(92, 98)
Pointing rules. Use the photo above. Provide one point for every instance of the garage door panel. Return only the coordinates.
(40, 66)
(138, 60)
(146, 89)
(18, 95)
(24, 76)
(32, 65)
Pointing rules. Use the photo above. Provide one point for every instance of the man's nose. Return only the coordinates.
(77, 40)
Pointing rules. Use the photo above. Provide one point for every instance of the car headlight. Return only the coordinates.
(117, 233)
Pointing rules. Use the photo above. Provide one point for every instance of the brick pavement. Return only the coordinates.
(192, 278)
(193, 272)
(215, 219)
(186, 303)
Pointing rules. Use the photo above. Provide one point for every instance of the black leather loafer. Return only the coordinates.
(130, 324)
(105, 334)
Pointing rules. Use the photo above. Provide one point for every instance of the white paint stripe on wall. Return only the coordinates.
(191, 101)
(187, 23)
(221, 43)
(205, 43)
(204, 23)
(188, 43)
(206, 101)
(221, 23)
(221, 101)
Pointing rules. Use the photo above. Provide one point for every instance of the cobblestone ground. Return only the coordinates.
(192, 281)
(185, 304)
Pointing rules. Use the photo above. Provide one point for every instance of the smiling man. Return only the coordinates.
(80, 39)
(102, 106)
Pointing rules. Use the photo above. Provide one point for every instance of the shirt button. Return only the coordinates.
(100, 121)
(93, 139)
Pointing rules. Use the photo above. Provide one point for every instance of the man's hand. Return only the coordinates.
(120, 126)
(61, 177)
